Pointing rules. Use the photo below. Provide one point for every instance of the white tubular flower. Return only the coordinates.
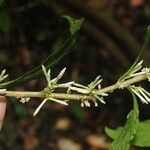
(92, 89)
(59, 76)
(64, 85)
(40, 106)
(52, 84)
(79, 89)
(95, 104)
(147, 72)
(137, 67)
(3, 75)
(141, 93)
(3, 90)
(58, 101)
(50, 99)
(134, 72)
(95, 83)
(24, 99)
(137, 70)
(85, 103)
(143, 71)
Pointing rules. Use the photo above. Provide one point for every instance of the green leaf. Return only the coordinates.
(125, 137)
(75, 24)
(123, 77)
(5, 22)
(50, 62)
(113, 133)
(142, 136)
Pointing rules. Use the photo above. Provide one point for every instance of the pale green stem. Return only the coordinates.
(66, 96)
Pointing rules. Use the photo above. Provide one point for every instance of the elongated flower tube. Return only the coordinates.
(143, 71)
(45, 100)
(141, 93)
(3, 75)
(131, 72)
(39, 107)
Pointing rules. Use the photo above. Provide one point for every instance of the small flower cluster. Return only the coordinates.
(146, 71)
(137, 70)
(24, 99)
(92, 89)
(52, 84)
(141, 93)
(134, 71)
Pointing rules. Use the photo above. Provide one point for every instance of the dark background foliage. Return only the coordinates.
(109, 41)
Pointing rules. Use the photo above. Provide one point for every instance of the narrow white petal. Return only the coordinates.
(145, 91)
(44, 70)
(53, 80)
(92, 84)
(58, 101)
(64, 85)
(100, 99)
(80, 85)
(24, 99)
(39, 107)
(82, 104)
(136, 74)
(3, 72)
(68, 90)
(95, 104)
(5, 76)
(80, 90)
(140, 97)
(2, 76)
(49, 77)
(139, 64)
(99, 87)
(97, 83)
(136, 69)
(97, 92)
(87, 103)
(61, 74)
(97, 79)
(2, 90)
(145, 96)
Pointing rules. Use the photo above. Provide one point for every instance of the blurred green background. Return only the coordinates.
(109, 41)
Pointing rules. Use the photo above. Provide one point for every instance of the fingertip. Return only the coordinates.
(2, 109)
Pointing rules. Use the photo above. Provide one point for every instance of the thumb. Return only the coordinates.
(2, 109)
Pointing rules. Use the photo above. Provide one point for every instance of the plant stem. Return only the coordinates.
(66, 96)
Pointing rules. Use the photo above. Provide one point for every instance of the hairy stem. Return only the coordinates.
(66, 96)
